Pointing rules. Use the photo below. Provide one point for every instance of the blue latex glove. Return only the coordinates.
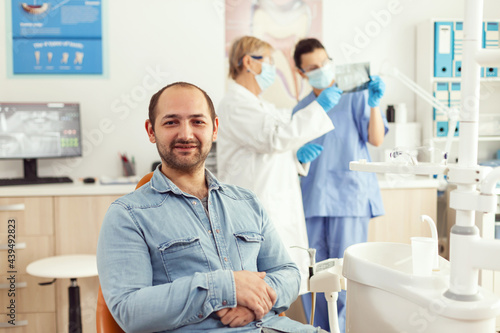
(329, 98)
(309, 152)
(376, 89)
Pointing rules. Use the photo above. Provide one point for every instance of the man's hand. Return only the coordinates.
(254, 293)
(236, 317)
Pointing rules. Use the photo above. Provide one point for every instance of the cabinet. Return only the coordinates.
(442, 79)
(33, 231)
(79, 218)
(51, 220)
(403, 207)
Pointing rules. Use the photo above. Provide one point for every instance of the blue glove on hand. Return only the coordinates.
(309, 152)
(376, 89)
(329, 98)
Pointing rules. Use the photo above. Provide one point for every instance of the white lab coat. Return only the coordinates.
(256, 149)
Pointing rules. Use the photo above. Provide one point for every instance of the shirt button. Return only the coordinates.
(209, 231)
(225, 259)
(200, 315)
(194, 202)
(217, 230)
(224, 302)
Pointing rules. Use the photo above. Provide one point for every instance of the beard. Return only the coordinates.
(186, 162)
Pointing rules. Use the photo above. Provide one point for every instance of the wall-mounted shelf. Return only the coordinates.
(459, 79)
(481, 138)
(430, 119)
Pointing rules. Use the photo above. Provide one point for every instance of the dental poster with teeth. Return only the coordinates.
(281, 23)
(56, 37)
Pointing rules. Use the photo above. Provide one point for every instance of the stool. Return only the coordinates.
(68, 267)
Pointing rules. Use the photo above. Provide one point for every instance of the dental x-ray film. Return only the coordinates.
(352, 77)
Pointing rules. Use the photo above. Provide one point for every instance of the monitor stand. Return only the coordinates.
(31, 176)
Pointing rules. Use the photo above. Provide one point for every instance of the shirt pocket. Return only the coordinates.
(183, 257)
(248, 244)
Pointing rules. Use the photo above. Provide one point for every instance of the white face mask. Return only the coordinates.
(321, 78)
(266, 77)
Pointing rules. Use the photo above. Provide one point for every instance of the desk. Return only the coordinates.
(72, 267)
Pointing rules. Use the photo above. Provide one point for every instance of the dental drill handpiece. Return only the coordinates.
(312, 261)
(312, 258)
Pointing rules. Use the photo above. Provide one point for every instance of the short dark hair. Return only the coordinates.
(304, 46)
(154, 100)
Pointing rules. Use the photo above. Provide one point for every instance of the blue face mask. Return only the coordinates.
(266, 77)
(321, 78)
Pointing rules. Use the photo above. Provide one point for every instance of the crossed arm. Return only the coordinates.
(254, 298)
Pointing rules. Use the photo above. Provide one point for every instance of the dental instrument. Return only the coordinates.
(325, 277)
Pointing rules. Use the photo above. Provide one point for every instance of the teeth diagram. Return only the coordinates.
(37, 57)
(49, 57)
(78, 58)
(65, 57)
(35, 9)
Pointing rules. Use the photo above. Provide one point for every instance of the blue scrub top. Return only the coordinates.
(330, 188)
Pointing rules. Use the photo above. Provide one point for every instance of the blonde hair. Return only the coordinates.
(241, 47)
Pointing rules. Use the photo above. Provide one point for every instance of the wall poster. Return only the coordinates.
(281, 23)
(56, 37)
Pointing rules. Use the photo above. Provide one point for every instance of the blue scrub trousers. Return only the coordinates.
(330, 236)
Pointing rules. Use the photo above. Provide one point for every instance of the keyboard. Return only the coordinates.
(34, 181)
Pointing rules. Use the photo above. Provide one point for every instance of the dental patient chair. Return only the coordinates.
(104, 320)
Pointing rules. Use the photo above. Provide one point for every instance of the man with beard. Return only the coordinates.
(185, 252)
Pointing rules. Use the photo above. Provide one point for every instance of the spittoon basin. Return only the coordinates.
(384, 296)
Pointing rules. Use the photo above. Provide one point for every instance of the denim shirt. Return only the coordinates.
(164, 265)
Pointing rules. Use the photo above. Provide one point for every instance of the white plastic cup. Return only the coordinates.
(400, 113)
(423, 250)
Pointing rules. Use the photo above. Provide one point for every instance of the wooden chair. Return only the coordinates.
(104, 320)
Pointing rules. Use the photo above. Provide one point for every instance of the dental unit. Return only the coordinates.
(384, 293)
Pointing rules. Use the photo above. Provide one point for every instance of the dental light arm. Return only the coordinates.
(452, 113)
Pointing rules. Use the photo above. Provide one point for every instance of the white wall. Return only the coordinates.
(184, 40)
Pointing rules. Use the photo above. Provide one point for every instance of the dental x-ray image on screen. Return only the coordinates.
(39, 130)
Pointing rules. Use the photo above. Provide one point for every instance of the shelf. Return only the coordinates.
(459, 79)
(384, 167)
(481, 138)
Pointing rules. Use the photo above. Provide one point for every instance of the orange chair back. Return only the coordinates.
(144, 180)
(104, 320)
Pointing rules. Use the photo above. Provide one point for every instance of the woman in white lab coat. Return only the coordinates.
(261, 147)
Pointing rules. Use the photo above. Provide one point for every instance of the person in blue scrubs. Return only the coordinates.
(339, 203)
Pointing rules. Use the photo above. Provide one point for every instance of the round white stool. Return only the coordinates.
(68, 267)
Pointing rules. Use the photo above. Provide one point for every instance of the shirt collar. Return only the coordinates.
(238, 88)
(162, 184)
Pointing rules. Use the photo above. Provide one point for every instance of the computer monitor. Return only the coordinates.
(30, 131)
